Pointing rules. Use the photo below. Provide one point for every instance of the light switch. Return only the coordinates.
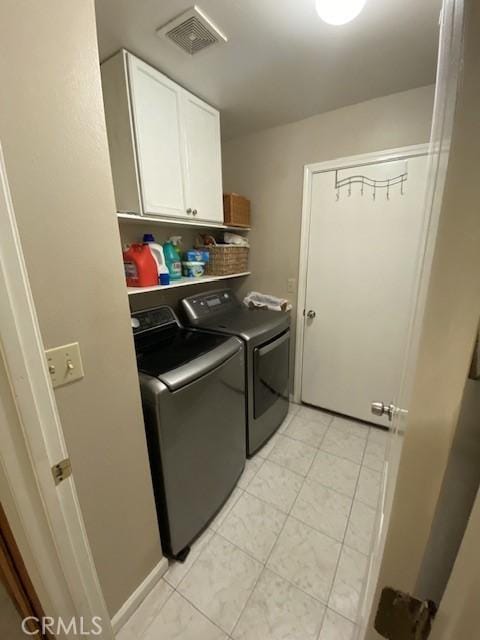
(64, 364)
(291, 283)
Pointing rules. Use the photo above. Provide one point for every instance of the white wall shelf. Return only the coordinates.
(172, 222)
(184, 282)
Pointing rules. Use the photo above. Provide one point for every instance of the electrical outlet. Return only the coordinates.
(291, 283)
(64, 364)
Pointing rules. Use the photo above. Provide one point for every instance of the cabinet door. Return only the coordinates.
(156, 106)
(204, 160)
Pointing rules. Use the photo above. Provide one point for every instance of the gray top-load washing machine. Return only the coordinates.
(266, 335)
(193, 396)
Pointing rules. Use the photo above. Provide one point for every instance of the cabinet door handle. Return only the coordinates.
(189, 210)
(194, 212)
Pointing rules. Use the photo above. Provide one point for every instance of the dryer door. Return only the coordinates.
(271, 373)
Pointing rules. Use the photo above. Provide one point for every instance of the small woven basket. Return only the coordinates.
(226, 259)
(236, 210)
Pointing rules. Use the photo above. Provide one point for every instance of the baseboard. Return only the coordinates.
(139, 595)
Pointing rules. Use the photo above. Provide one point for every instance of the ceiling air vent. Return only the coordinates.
(192, 31)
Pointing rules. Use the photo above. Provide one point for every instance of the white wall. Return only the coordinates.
(267, 167)
(52, 129)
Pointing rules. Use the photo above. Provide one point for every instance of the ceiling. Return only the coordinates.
(282, 63)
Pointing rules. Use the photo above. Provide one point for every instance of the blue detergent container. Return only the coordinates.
(172, 260)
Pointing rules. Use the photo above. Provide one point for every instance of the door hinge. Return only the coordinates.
(400, 616)
(62, 470)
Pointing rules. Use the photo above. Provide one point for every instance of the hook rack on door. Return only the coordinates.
(365, 181)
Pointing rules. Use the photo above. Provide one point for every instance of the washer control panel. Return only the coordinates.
(150, 319)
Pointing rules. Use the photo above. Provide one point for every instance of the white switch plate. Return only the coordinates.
(64, 364)
(291, 284)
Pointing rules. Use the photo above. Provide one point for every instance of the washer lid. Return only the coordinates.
(177, 356)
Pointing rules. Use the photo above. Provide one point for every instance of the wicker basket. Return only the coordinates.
(226, 259)
(236, 210)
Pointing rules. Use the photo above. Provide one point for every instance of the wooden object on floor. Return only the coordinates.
(14, 576)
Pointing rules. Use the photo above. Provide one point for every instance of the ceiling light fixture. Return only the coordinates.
(339, 11)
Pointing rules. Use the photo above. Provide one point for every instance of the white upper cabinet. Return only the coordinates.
(164, 144)
(204, 160)
(156, 119)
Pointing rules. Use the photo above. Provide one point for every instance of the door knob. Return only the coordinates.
(189, 210)
(382, 409)
(311, 314)
(194, 212)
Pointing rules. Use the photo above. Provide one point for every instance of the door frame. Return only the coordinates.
(46, 518)
(309, 171)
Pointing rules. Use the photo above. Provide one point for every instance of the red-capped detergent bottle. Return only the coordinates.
(140, 266)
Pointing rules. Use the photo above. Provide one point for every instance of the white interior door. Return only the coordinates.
(366, 225)
(156, 103)
(204, 162)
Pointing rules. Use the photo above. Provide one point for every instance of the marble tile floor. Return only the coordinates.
(287, 556)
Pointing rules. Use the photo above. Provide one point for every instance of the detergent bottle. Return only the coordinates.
(172, 259)
(157, 252)
(140, 266)
(177, 243)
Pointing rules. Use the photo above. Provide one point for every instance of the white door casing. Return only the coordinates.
(76, 592)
